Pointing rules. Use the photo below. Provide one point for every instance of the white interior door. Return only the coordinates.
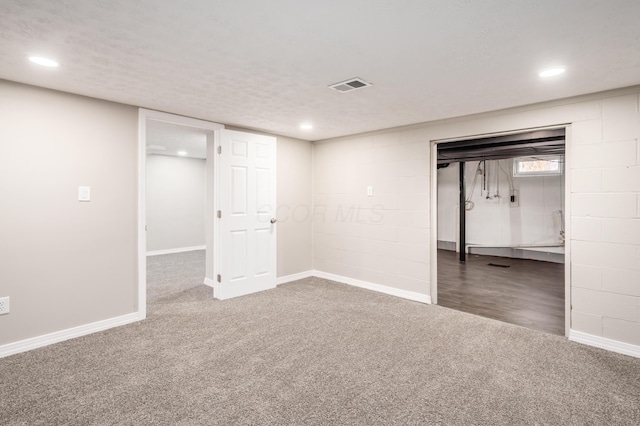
(247, 206)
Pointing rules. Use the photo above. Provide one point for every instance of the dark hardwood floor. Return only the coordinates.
(528, 293)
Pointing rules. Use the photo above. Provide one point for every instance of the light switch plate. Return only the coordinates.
(84, 193)
(4, 305)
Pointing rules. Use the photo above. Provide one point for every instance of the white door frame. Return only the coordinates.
(567, 211)
(143, 116)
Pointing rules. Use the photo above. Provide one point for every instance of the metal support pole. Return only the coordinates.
(463, 211)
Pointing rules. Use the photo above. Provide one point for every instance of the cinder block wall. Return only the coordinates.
(605, 222)
(603, 204)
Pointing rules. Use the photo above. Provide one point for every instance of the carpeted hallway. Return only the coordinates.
(313, 352)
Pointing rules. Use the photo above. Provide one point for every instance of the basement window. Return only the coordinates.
(537, 166)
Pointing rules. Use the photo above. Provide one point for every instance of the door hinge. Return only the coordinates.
(219, 149)
(219, 278)
(219, 214)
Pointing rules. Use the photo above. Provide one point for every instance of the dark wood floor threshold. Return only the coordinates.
(528, 293)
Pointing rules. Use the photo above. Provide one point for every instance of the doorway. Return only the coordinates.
(502, 255)
(240, 207)
(159, 133)
(176, 161)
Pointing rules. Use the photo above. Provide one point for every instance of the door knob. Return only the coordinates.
(274, 220)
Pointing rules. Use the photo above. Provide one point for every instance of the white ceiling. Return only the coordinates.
(266, 65)
(174, 138)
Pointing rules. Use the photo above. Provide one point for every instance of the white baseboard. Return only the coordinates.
(175, 250)
(604, 343)
(410, 295)
(279, 280)
(70, 333)
(294, 277)
(60, 336)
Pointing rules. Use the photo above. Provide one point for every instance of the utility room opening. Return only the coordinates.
(501, 228)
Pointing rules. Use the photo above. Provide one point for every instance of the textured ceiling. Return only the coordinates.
(266, 64)
(174, 138)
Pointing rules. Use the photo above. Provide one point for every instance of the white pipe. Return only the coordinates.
(468, 246)
(457, 231)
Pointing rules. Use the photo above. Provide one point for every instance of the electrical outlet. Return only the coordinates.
(514, 199)
(4, 305)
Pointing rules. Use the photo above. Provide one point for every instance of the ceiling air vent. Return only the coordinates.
(350, 85)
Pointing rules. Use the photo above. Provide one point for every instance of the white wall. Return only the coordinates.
(294, 206)
(493, 221)
(383, 239)
(175, 202)
(605, 222)
(69, 266)
(65, 263)
(603, 209)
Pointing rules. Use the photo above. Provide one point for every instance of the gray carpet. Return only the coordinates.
(313, 352)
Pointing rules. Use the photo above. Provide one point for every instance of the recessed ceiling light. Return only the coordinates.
(306, 126)
(552, 72)
(44, 61)
(182, 153)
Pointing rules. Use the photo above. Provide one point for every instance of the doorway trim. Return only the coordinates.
(567, 210)
(144, 115)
